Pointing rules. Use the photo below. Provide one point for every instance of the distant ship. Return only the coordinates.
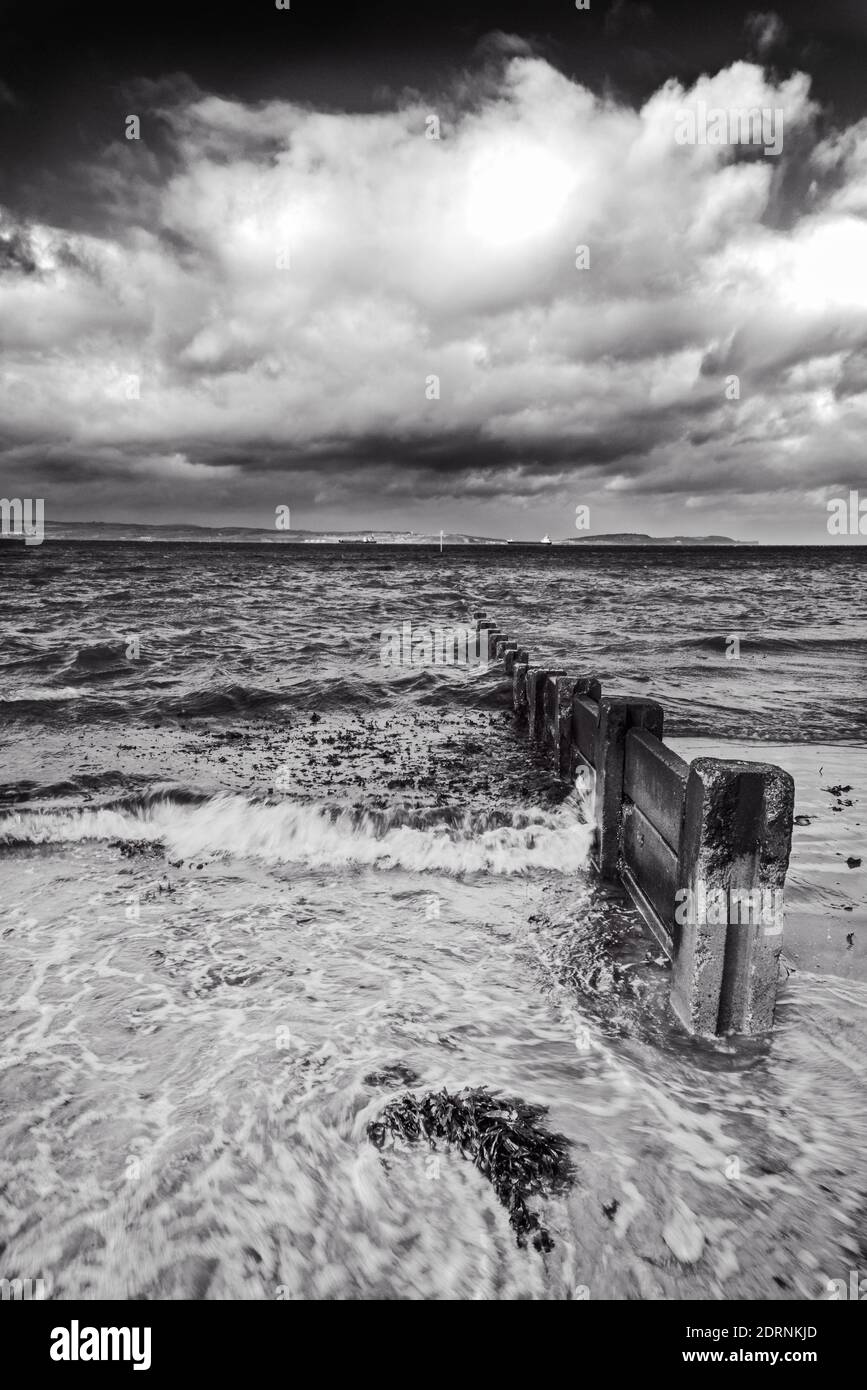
(546, 540)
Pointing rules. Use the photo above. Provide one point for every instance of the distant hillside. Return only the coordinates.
(640, 538)
(255, 535)
(259, 535)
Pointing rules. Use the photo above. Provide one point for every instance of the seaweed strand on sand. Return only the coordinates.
(502, 1137)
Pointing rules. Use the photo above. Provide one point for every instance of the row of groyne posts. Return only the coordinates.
(702, 848)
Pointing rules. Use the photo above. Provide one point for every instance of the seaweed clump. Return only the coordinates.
(500, 1135)
(151, 849)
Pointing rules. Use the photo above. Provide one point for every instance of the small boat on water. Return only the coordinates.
(546, 540)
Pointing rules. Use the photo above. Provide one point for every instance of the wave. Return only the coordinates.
(717, 642)
(318, 693)
(103, 658)
(42, 694)
(230, 698)
(96, 663)
(189, 826)
(234, 699)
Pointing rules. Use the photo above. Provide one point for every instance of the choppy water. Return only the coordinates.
(231, 629)
(253, 884)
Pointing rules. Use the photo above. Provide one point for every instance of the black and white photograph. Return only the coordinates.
(433, 667)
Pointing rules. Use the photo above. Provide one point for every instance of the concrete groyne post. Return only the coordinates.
(560, 694)
(485, 628)
(534, 685)
(512, 657)
(734, 852)
(536, 678)
(519, 687)
(616, 717)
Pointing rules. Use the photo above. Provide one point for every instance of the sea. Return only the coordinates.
(255, 885)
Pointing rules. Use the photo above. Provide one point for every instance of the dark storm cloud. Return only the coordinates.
(766, 31)
(264, 287)
(624, 16)
(15, 253)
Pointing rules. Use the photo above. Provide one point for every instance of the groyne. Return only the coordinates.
(702, 848)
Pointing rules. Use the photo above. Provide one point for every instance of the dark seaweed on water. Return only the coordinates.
(500, 1135)
(131, 848)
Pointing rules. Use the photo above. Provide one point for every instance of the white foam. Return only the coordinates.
(43, 693)
(291, 832)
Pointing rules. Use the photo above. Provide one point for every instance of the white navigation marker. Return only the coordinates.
(441, 542)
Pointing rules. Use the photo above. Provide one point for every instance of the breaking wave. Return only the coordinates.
(33, 694)
(319, 837)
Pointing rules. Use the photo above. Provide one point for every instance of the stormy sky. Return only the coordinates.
(285, 292)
